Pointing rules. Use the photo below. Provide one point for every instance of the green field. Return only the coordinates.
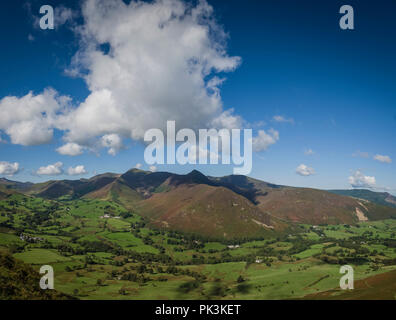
(100, 250)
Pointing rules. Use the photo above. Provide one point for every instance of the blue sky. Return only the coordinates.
(336, 87)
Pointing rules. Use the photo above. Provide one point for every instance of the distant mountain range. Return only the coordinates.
(226, 207)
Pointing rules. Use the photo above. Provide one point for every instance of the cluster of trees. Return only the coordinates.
(351, 259)
(130, 276)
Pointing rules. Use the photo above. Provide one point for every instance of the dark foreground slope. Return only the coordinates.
(18, 281)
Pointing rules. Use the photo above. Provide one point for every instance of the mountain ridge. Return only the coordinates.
(229, 206)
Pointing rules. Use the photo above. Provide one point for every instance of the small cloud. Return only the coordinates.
(359, 180)
(30, 38)
(309, 152)
(380, 158)
(153, 168)
(282, 119)
(76, 171)
(70, 149)
(138, 165)
(8, 168)
(51, 170)
(360, 154)
(263, 140)
(304, 170)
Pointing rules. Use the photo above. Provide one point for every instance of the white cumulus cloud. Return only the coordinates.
(161, 65)
(263, 140)
(144, 63)
(382, 158)
(70, 149)
(8, 168)
(51, 170)
(29, 120)
(138, 165)
(153, 168)
(76, 171)
(304, 170)
(359, 180)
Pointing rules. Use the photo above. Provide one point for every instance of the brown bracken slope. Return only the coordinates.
(378, 287)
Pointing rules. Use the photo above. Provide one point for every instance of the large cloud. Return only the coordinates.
(8, 168)
(161, 65)
(359, 180)
(144, 63)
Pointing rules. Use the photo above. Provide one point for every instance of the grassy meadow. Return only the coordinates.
(100, 250)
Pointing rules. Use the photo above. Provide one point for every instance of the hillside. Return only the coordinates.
(382, 198)
(314, 206)
(20, 281)
(191, 203)
(377, 287)
(246, 186)
(3, 195)
(15, 185)
(207, 210)
(71, 188)
(230, 206)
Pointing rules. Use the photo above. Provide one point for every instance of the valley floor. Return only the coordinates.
(100, 250)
